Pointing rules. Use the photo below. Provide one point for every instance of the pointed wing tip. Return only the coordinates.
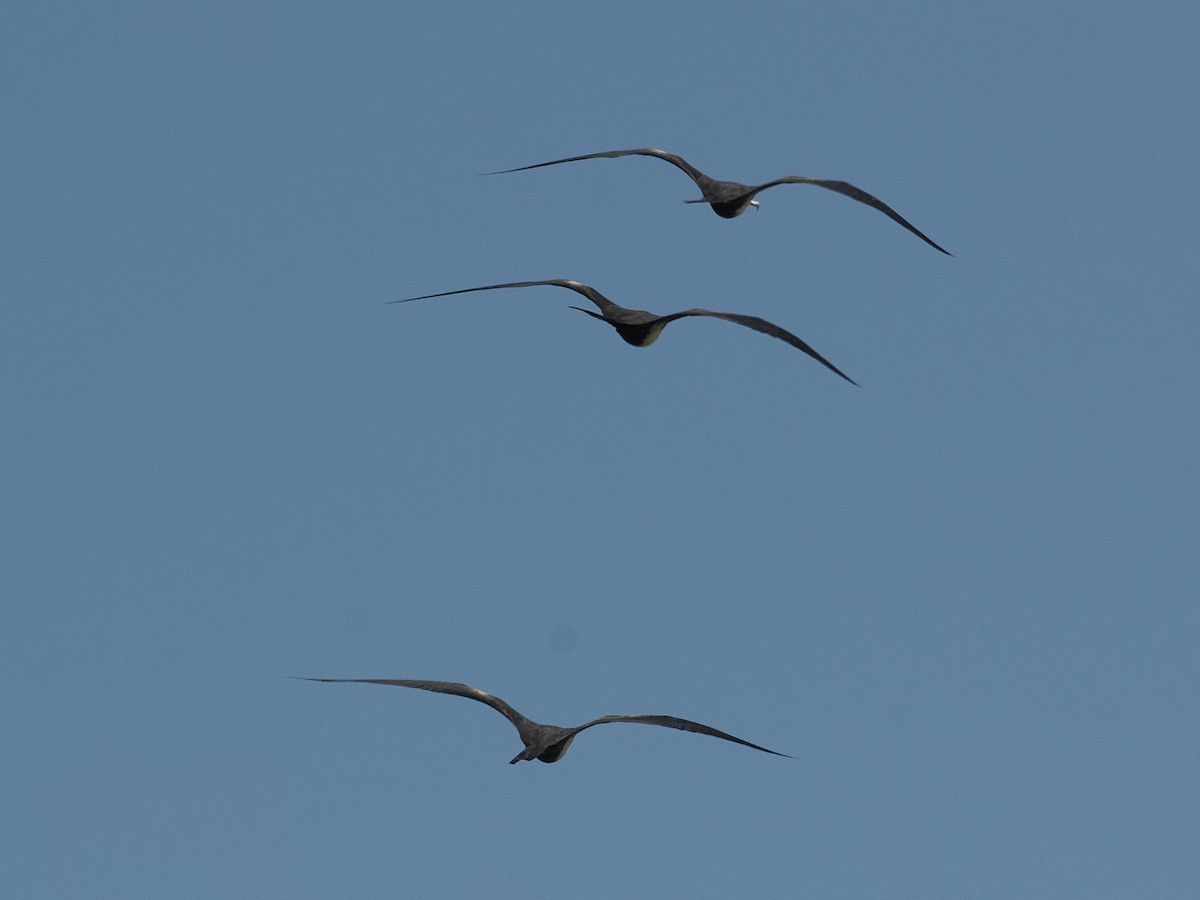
(848, 378)
(765, 749)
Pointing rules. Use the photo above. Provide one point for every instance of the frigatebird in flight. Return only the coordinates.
(642, 328)
(547, 743)
(729, 199)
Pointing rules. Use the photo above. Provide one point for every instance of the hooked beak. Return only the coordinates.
(754, 203)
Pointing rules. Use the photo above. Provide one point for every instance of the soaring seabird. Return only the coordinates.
(731, 198)
(642, 328)
(547, 743)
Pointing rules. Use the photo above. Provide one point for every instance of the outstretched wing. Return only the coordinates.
(766, 328)
(848, 190)
(440, 687)
(678, 161)
(680, 725)
(590, 292)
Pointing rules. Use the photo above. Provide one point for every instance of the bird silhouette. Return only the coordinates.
(547, 743)
(730, 198)
(641, 328)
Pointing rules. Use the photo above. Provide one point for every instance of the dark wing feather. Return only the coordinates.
(680, 725)
(765, 327)
(590, 292)
(848, 190)
(678, 161)
(440, 687)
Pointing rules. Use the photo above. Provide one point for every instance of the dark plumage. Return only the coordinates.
(547, 743)
(729, 198)
(642, 328)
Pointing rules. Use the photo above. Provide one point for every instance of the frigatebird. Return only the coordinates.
(642, 328)
(729, 199)
(547, 743)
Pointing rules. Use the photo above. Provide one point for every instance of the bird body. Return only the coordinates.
(547, 743)
(729, 199)
(641, 328)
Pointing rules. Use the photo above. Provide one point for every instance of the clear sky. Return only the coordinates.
(964, 596)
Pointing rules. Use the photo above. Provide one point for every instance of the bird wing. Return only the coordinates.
(855, 193)
(765, 327)
(680, 725)
(590, 292)
(440, 687)
(678, 161)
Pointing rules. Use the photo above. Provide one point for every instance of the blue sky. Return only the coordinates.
(964, 596)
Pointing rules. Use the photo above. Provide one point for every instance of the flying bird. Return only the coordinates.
(547, 743)
(641, 328)
(729, 198)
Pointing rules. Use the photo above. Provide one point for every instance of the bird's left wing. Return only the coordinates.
(768, 328)
(681, 725)
(855, 193)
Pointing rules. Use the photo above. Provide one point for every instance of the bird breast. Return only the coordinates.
(735, 208)
(555, 752)
(641, 335)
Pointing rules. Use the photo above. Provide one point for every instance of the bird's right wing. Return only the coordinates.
(678, 161)
(590, 292)
(440, 687)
